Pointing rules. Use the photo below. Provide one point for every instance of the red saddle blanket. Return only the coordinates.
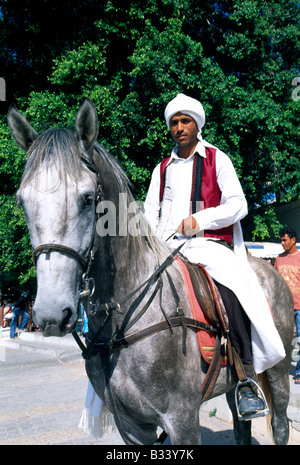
(206, 341)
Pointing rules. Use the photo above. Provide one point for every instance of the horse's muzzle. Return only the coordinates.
(58, 327)
(53, 330)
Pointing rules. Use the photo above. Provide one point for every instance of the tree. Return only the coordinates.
(33, 34)
(238, 57)
(130, 58)
(15, 249)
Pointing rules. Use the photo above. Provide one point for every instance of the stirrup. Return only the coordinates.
(260, 413)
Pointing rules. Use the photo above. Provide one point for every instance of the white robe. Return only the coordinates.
(228, 268)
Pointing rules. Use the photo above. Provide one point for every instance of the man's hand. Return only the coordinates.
(188, 227)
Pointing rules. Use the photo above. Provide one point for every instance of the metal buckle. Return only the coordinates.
(260, 413)
(87, 291)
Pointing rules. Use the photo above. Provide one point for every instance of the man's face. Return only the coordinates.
(288, 243)
(184, 130)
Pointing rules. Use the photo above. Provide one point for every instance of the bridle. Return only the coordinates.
(88, 284)
(84, 260)
(93, 346)
(47, 248)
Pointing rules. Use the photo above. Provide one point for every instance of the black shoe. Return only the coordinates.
(250, 403)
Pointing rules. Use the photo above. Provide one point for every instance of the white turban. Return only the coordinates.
(188, 106)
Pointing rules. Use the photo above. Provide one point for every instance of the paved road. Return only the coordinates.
(42, 397)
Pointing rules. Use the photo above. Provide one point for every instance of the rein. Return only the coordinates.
(88, 352)
(113, 344)
(86, 262)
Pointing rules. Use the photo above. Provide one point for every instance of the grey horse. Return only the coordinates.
(91, 241)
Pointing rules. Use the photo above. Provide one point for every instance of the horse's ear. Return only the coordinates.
(21, 130)
(87, 124)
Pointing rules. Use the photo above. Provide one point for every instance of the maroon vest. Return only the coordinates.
(204, 188)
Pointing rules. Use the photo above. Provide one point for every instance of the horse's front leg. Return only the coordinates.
(182, 426)
(134, 433)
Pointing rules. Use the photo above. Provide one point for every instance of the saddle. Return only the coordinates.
(208, 306)
(206, 303)
(208, 297)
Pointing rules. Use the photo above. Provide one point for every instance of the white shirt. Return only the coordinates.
(177, 194)
(230, 269)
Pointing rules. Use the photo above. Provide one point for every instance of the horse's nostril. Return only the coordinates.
(67, 314)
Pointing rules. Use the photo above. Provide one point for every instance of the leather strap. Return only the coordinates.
(101, 347)
(236, 362)
(46, 248)
(162, 326)
(212, 372)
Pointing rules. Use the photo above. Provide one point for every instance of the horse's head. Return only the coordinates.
(57, 194)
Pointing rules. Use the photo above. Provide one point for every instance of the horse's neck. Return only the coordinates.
(120, 270)
(118, 273)
(133, 266)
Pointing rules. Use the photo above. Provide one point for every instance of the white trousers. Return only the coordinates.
(224, 266)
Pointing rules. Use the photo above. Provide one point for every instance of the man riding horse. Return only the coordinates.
(195, 196)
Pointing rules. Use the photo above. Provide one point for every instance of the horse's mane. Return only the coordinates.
(55, 147)
(60, 148)
(135, 242)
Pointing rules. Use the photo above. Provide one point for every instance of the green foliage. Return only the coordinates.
(12, 161)
(15, 245)
(47, 110)
(77, 67)
(34, 34)
(266, 224)
(15, 249)
(238, 57)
